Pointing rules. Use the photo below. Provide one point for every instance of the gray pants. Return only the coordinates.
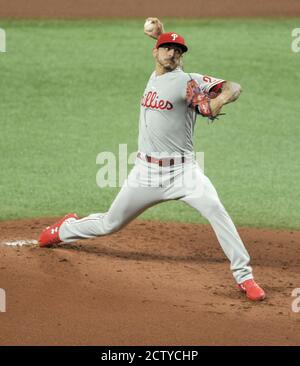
(149, 184)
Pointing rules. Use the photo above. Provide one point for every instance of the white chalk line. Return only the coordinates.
(20, 243)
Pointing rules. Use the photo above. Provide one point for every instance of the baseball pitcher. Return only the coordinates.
(165, 167)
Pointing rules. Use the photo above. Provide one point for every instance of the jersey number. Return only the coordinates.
(207, 79)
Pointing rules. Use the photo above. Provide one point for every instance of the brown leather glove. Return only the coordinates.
(198, 100)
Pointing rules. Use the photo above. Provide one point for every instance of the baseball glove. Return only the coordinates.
(200, 101)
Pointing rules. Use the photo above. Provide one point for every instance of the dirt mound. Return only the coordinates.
(150, 284)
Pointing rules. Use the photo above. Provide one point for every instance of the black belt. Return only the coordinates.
(160, 162)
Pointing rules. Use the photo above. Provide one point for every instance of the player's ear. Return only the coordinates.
(181, 63)
(154, 52)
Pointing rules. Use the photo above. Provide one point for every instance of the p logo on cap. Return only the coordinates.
(171, 37)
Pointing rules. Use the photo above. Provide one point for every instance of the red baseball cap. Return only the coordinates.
(171, 37)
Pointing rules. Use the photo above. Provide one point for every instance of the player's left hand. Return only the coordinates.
(204, 105)
(192, 89)
(153, 27)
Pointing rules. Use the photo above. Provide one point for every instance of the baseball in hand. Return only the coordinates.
(148, 26)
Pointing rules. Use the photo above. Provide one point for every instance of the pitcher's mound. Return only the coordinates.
(151, 283)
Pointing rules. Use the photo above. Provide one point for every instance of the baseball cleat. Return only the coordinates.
(50, 236)
(252, 290)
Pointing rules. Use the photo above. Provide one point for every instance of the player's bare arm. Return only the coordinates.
(210, 104)
(230, 93)
(153, 27)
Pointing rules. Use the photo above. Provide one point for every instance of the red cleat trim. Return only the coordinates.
(252, 290)
(49, 236)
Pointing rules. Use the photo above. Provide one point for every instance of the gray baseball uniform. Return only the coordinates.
(165, 169)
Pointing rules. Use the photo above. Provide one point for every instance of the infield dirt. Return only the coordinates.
(151, 283)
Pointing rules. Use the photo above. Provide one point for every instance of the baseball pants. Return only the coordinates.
(149, 184)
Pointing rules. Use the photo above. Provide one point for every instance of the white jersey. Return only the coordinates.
(166, 123)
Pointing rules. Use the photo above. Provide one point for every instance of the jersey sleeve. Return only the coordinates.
(208, 83)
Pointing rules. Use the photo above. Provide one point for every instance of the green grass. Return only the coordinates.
(71, 89)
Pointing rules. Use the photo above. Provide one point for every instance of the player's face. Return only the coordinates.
(168, 56)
